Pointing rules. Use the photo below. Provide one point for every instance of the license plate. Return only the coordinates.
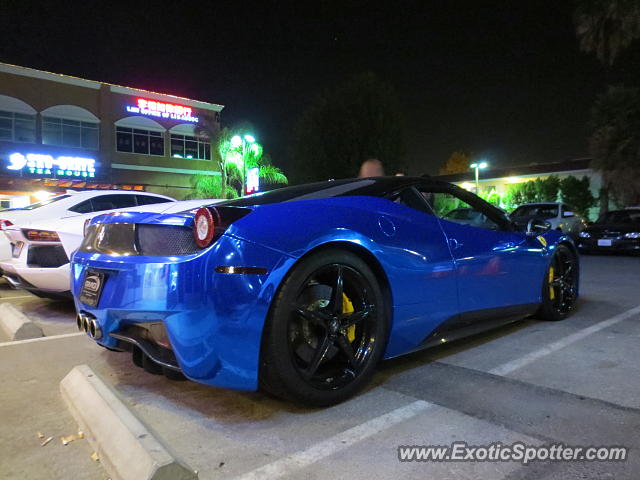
(16, 249)
(604, 243)
(92, 287)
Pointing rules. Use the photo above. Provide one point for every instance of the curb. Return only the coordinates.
(126, 447)
(16, 325)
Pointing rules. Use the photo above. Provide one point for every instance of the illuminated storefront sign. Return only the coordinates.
(153, 108)
(62, 166)
(253, 180)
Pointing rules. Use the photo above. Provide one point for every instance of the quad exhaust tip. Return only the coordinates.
(88, 325)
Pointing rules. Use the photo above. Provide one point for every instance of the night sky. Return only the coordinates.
(504, 80)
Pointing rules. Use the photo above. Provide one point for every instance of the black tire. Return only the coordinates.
(560, 285)
(313, 350)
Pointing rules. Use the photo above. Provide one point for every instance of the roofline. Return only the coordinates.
(527, 175)
(531, 170)
(81, 82)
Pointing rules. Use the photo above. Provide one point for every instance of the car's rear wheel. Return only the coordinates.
(560, 286)
(326, 331)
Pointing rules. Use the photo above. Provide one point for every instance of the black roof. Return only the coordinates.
(373, 186)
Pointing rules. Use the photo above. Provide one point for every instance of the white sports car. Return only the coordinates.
(72, 204)
(42, 248)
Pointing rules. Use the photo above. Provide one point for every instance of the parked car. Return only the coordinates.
(560, 216)
(71, 204)
(40, 262)
(302, 290)
(617, 230)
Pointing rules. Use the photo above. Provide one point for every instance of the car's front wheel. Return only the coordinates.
(326, 331)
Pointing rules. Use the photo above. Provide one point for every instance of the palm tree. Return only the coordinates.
(615, 144)
(606, 27)
(230, 163)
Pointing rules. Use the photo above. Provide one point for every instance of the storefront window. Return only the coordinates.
(69, 133)
(185, 146)
(134, 140)
(17, 127)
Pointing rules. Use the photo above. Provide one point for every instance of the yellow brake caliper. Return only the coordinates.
(552, 292)
(347, 307)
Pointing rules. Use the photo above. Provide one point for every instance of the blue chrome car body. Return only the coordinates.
(434, 271)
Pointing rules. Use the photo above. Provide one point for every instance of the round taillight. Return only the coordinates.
(203, 227)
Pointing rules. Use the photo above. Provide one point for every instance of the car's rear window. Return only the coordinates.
(620, 216)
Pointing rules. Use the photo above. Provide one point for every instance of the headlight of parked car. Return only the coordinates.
(632, 235)
(584, 235)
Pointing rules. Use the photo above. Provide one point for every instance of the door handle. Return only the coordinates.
(454, 244)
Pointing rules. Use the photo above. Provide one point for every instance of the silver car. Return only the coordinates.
(559, 215)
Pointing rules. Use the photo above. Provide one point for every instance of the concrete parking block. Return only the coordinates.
(15, 325)
(126, 447)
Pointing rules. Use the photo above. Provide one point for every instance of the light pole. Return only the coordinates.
(237, 141)
(477, 166)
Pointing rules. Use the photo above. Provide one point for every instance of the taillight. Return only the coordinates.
(41, 235)
(5, 223)
(203, 227)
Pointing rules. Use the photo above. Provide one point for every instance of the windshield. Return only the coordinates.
(620, 216)
(537, 211)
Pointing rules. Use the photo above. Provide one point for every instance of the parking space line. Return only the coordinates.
(513, 365)
(336, 443)
(343, 440)
(41, 339)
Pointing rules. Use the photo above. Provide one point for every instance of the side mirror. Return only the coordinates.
(537, 226)
(568, 214)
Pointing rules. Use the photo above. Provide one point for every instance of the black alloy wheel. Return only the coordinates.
(326, 332)
(560, 286)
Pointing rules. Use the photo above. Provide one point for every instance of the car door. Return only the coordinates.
(498, 269)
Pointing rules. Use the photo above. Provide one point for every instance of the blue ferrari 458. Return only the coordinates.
(301, 291)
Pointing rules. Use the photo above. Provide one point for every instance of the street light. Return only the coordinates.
(477, 166)
(237, 141)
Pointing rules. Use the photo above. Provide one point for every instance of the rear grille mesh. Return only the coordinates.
(139, 239)
(162, 240)
(47, 256)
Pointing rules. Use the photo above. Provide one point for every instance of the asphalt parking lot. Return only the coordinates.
(574, 382)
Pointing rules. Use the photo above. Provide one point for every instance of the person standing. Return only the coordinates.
(371, 168)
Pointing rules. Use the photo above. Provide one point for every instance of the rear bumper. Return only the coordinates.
(47, 280)
(213, 321)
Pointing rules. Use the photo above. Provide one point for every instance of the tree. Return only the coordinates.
(458, 162)
(346, 126)
(606, 27)
(209, 186)
(615, 144)
(547, 189)
(232, 169)
(538, 190)
(577, 194)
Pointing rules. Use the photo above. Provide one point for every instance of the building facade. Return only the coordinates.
(59, 132)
